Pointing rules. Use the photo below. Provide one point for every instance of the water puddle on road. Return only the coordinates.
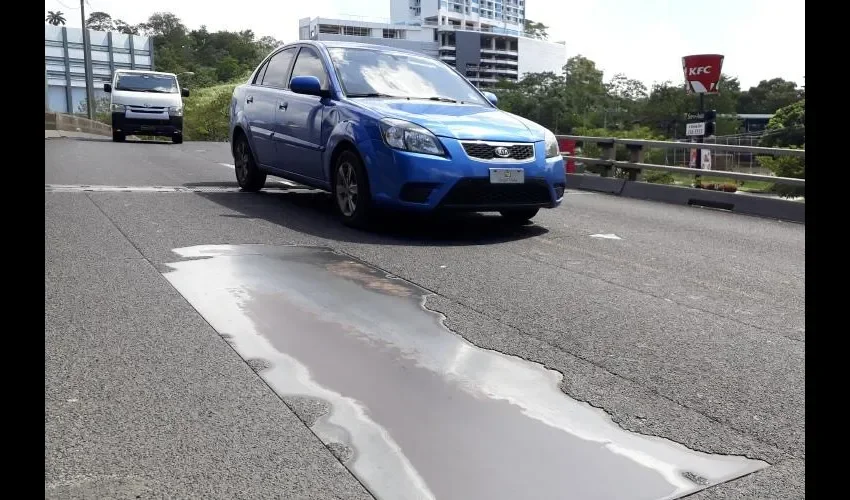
(413, 409)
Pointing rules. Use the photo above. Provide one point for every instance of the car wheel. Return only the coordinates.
(351, 189)
(248, 176)
(117, 136)
(519, 215)
(177, 139)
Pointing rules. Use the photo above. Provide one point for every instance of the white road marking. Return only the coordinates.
(228, 165)
(609, 236)
(79, 188)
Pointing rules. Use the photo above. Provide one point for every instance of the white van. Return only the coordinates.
(146, 103)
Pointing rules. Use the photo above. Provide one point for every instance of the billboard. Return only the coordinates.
(702, 73)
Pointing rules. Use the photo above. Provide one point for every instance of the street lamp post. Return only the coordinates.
(87, 62)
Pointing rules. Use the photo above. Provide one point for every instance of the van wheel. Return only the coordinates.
(248, 176)
(351, 190)
(117, 136)
(177, 139)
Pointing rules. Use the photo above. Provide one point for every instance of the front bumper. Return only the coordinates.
(458, 182)
(173, 125)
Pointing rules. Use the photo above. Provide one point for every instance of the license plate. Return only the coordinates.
(148, 127)
(507, 176)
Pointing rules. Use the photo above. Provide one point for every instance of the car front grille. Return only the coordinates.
(150, 109)
(481, 193)
(487, 151)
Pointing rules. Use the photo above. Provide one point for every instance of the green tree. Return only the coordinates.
(536, 30)
(100, 21)
(55, 18)
(769, 95)
(126, 28)
(584, 92)
(787, 128)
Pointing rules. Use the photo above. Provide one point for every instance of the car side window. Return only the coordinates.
(277, 70)
(258, 78)
(308, 63)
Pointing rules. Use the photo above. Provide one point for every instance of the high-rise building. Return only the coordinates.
(483, 39)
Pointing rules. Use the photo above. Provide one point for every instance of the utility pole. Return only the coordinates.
(46, 99)
(699, 138)
(87, 61)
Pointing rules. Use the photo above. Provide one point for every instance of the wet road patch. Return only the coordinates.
(411, 408)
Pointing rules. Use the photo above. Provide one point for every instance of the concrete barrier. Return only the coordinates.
(610, 185)
(71, 123)
(773, 208)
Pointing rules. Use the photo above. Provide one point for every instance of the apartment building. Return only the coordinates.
(482, 39)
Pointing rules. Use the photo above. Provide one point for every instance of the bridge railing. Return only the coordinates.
(637, 148)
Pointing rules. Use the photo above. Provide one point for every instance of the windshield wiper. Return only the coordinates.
(370, 94)
(438, 98)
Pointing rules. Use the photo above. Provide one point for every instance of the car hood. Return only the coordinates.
(459, 121)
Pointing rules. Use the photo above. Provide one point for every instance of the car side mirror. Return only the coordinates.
(492, 98)
(184, 92)
(308, 85)
(107, 87)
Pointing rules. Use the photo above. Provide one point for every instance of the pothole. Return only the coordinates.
(424, 413)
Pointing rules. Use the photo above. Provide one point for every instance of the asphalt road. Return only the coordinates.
(690, 326)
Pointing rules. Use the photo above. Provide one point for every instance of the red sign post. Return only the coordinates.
(568, 146)
(702, 73)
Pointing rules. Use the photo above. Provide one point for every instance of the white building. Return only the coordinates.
(481, 38)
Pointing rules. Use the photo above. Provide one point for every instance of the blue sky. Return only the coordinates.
(645, 39)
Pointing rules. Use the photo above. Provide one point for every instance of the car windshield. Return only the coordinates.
(163, 84)
(375, 73)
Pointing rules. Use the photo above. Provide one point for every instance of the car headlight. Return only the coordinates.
(119, 107)
(399, 134)
(552, 149)
(175, 111)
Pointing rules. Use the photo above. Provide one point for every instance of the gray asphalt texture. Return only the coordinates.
(690, 327)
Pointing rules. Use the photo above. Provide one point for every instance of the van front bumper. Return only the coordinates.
(171, 126)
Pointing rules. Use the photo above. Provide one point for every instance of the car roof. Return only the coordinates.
(143, 72)
(330, 44)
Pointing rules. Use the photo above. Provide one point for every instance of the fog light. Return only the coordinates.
(417, 192)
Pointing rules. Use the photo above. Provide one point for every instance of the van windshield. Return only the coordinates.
(140, 82)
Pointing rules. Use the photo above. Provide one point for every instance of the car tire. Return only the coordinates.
(519, 215)
(177, 139)
(248, 176)
(355, 207)
(118, 136)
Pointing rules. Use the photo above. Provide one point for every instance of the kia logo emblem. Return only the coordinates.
(502, 152)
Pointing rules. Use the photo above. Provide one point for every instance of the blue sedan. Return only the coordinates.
(380, 127)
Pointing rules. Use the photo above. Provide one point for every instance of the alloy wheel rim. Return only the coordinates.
(242, 163)
(346, 188)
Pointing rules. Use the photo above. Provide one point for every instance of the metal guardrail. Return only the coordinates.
(636, 150)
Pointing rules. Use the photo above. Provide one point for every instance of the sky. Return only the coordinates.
(643, 39)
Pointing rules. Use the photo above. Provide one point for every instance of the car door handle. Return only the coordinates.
(249, 100)
(282, 105)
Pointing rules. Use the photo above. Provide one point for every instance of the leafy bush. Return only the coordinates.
(786, 166)
(206, 112)
(658, 177)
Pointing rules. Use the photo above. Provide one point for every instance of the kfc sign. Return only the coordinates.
(702, 72)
